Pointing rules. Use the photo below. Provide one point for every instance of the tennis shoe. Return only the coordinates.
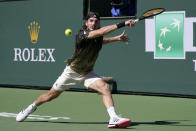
(119, 122)
(24, 114)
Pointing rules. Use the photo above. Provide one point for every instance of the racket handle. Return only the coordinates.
(136, 20)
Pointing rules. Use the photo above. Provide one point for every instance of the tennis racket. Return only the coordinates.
(150, 13)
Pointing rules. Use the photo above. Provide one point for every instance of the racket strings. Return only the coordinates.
(153, 12)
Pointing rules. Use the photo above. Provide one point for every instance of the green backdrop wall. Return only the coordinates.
(132, 67)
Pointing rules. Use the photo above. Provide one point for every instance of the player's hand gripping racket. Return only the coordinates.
(150, 13)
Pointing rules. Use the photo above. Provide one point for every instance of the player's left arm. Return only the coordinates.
(122, 37)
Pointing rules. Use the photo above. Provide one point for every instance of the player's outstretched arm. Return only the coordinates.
(102, 31)
(110, 28)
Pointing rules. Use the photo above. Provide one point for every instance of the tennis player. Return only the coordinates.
(79, 69)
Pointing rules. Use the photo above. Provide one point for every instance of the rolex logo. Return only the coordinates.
(34, 28)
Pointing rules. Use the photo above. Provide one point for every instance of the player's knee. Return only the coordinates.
(105, 89)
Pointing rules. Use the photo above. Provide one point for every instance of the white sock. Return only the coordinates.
(32, 107)
(111, 112)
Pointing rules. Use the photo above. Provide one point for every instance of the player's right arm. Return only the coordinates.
(102, 31)
(108, 29)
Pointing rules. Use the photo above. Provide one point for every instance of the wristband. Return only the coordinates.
(119, 25)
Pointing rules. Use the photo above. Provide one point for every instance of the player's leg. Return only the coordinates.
(104, 89)
(59, 86)
(96, 83)
(50, 95)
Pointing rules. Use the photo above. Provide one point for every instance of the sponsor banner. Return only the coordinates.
(169, 39)
(33, 54)
(170, 35)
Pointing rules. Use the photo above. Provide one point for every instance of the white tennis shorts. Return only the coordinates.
(70, 78)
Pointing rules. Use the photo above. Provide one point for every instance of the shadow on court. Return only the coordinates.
(165, 122)
(155, 123)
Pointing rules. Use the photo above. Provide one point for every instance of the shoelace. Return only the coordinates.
(116, 119)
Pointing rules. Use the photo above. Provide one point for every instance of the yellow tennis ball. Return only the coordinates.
(68, 32)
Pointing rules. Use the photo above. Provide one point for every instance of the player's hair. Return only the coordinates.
(90, 15)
